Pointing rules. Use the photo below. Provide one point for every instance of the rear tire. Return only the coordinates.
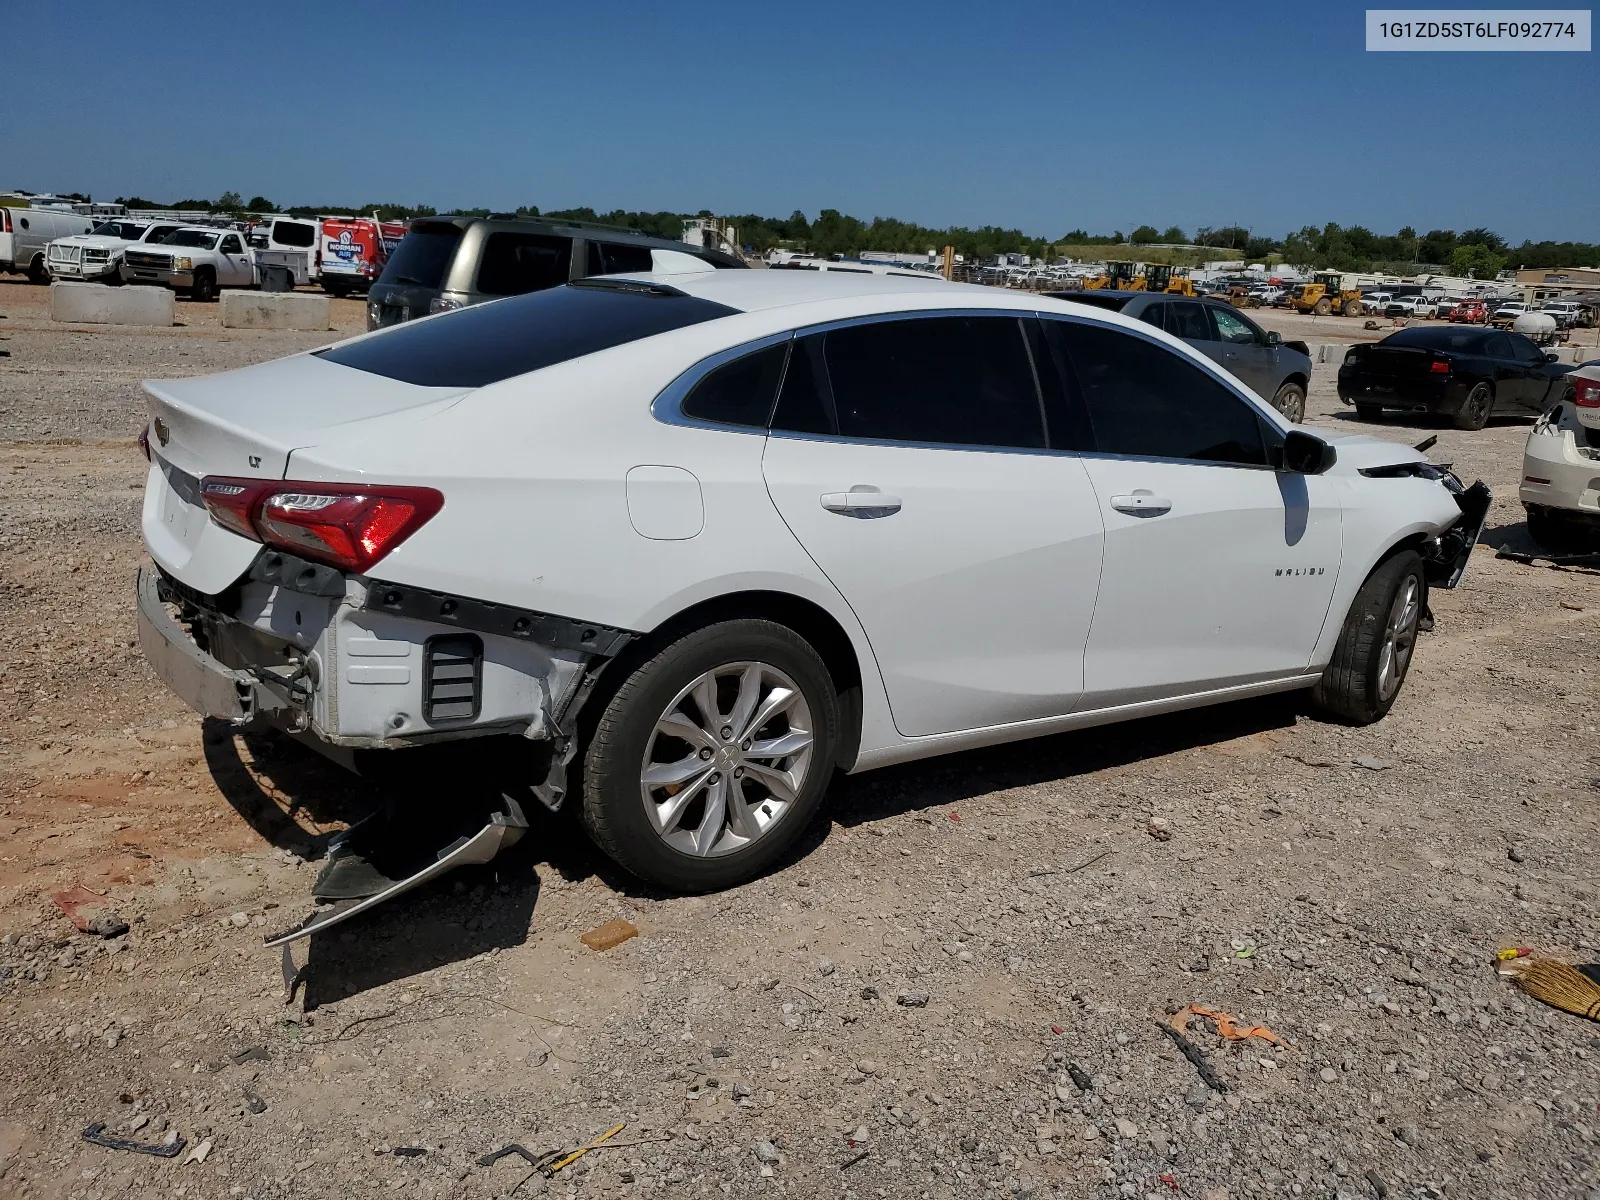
(1291, 402)
(733, 826)
(1373, 652)
(1475, 409)
(1369, 412)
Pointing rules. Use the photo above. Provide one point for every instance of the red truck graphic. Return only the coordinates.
(354, 250)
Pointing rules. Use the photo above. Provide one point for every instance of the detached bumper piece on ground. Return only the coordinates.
(375, 861)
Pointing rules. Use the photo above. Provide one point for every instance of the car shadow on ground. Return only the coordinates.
(477, 909)
(1399, 418)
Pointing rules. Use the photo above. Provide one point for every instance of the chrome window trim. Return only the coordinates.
(667, 407)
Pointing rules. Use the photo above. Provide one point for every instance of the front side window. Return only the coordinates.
(1234, 329)
(1155, 314)
(230, 245)
(740, 392)
(1498, 345)
(1143, 400)
(517, 263)
(942, 380)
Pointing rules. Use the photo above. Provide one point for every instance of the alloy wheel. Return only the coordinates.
(1399, 637)
(727, 759)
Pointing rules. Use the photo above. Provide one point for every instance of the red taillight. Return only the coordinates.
(1586, 393)
(144, 443)
(1439, 367)
(347, 525)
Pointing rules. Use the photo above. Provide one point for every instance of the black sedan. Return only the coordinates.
(1277, 371)
(1468, 375)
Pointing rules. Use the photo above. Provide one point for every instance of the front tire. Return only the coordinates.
(1475, 409)
(37, 271)
(205, 287)
(1291, 402)
(1373, 653)
(713, 756)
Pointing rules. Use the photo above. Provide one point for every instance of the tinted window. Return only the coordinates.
(292, 233)
(1112, 300)
(1144, 400)
(489, 342)
(1468, 341)
(515, 263)
(801, 408)
(948, 380)
(423, 256)
(1524, 348)
(1187, 320)
(1231, 328)
(610, 258)
(739, 392)
(231, 245)
(160, 232)
(1498, 345)
(1154, 314)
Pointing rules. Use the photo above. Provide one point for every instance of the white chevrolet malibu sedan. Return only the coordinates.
(708, 539)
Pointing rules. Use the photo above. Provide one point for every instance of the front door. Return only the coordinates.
(910, 458)
(236, 270)
(1245, 352)
(1218, 569)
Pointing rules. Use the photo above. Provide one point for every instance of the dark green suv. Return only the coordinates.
(450, 262)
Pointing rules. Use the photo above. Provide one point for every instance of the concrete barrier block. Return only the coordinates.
(275, 310)
(97, 304)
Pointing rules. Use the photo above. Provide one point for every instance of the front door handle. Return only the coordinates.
(862, 501)
(1141, 504)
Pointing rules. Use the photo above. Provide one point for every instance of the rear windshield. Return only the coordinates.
(423, 255)
(489, 342)
(293, 233)
(1114, 301)
(1466, 340)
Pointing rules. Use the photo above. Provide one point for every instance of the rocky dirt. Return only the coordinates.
(952, 988)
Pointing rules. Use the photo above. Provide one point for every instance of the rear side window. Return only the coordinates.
(517, 263)
(740, 392)
(612, 258)
(942, 380)
(1143, 400)
(423, 255)
(801, 408)
(1187, 320)
(489, 342)
(293, 233)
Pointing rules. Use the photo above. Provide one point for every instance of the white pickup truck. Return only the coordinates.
(97, 257)
(193, 259)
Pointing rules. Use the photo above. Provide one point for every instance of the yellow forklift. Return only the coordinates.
(1174, 281)
(1118, 277)
(1326, 294)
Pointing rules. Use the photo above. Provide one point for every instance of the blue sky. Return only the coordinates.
(1043, 115)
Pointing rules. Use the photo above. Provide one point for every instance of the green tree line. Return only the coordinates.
(1480, 252)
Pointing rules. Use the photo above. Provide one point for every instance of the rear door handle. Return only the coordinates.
(1141, 504)
(862, 501)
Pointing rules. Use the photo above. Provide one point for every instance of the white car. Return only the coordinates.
(1372, 302)
(1561, 467)
(713, 536)
(97, 257)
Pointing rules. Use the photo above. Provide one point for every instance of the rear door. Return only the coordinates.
(1218, 570)
(910, 458)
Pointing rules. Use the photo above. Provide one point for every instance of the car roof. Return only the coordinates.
(757, 290)
(590, 231)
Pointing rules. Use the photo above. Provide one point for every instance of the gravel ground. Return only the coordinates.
(952, 988)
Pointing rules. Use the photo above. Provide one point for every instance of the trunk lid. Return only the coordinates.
(1393, 362)
(247, 423)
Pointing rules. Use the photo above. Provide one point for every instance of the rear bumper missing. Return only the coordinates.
(197, 679)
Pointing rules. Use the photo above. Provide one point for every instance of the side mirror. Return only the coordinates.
(1552, 356)
(1306, 454)
(1274, 338)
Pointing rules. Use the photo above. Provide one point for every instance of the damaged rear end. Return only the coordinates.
(268, 603)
